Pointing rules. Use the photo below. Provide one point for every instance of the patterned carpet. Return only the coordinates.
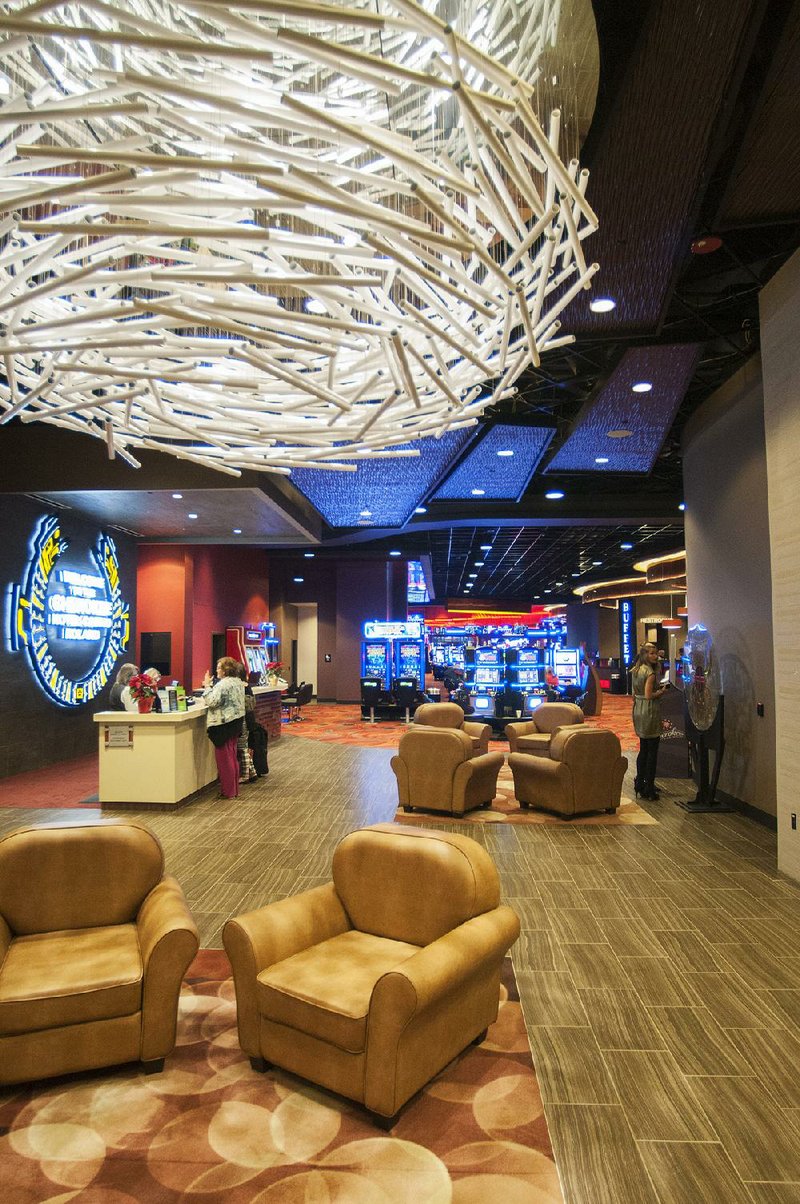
(211, 1129)
(341, 723)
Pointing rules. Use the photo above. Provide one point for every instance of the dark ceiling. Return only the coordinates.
(694, 137)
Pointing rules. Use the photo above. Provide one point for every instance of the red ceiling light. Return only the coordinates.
(706, 245)
(671, 624)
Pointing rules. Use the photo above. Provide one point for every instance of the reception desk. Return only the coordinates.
(153, 760)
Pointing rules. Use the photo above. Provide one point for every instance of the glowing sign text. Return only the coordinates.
(64, 604)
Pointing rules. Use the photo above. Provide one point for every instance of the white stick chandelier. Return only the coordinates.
(278, 233)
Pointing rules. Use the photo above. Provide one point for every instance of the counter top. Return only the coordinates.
(169, 718)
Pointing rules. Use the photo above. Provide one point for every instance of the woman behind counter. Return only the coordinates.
(115, 699)
(225, 703)
(646, 719)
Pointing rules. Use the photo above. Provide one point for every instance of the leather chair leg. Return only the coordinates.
(154, 1067)
(259, 1064)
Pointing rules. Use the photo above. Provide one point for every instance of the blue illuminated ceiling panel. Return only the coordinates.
(647, 415)
(380, 493)
(499, 475)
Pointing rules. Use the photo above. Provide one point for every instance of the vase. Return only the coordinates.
(272, 681)
(145, 705)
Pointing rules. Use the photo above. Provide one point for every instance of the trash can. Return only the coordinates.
(618, 675)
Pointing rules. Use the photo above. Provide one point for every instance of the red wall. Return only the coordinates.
(196, 591)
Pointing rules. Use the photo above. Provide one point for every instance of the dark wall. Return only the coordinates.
(34, 730)
(347, 591)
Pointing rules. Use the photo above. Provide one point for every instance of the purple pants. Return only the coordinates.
(228, 768)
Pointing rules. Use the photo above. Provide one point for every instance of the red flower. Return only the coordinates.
(142, 686)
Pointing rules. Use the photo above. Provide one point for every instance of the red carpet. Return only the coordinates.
(211, 1129)
(64, 785)
(341, 723)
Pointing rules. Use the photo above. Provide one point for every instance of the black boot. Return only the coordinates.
(638, 788)
(650, 793)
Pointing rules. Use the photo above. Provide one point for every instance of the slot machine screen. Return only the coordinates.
(481, 704)
(532, 702)
(487, 677)
(528, 677)
(375, 660)
(565, 666)
(487, 656)
(408, 659)
(457, 658)
(529, 656)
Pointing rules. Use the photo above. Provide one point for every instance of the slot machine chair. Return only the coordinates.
(406, 695)
(535, 734)
(370, 984)
(583, 772)
(451, 715)
(437, 770)
(94, 943)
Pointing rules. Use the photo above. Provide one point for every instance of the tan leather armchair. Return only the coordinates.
(436, 769)
(534, 735)
(94, 944)
(583, 772)
(369, 985)
(451, 715)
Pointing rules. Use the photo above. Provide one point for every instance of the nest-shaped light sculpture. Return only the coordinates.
(278, 232)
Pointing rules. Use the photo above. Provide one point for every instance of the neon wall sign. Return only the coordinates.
(376, 629)
(59, 605)
(626, 631)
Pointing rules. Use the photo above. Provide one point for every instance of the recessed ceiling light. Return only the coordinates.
(478, 492)
(601, 459)
(505, 453)
(191, 516)
(602, 305)
(486, 547)
(554, 495)
(421, 510)
(479, 563)
(237, 530)
(537, 597)
(548, 591)
(626, 547)
(682, 506)
(642, 386)
(395, 553)
(365, 514)
(559, 582)
(621, 432)
(472, 574)
(177, 496)
(576, 574)
(308, 555)
(299, 580)
(597, 563)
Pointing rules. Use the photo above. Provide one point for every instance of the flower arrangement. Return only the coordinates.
(274, 667)
(142, 686)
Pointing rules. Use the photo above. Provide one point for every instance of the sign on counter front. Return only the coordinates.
(61, 606)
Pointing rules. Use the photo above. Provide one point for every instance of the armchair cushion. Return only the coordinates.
(325, 991)
(449, 715)
(58, 978)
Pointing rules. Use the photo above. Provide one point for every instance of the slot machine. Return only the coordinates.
(488, 670)
(376, 660)
(409, 660)
(255, 645)
(567, 667)
(530, 670)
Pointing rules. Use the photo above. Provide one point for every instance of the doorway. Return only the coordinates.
(307, 643)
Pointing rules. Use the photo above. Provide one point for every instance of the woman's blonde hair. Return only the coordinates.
(227, 667)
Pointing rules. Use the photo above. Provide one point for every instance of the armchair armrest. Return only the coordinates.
(167, 941)
(261, 938)
(475, 781)
(411, 993)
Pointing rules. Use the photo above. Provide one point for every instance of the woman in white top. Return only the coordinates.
(224, 717)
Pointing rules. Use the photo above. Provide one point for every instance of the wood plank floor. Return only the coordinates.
(657, 967)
